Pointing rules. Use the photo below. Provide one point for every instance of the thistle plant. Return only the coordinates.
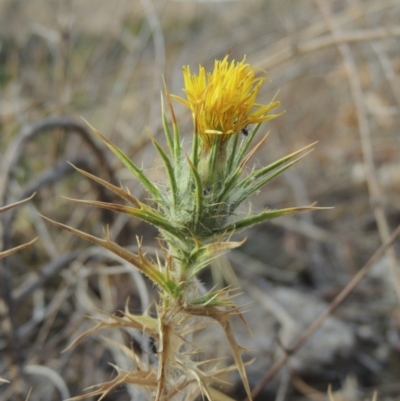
(196, 214)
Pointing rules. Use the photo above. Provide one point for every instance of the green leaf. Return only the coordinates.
(146, 214)
(198, 193)
(167, 131)
(233, 151)
(119, 191)
(264, 216)
(169, 168)
(245, 145)
(136, 171)
(264, 170)
(228, 184)
(233, 178)
(245, 189)
(177, 145)
(195, 149)
(212, 161)
(177, 139)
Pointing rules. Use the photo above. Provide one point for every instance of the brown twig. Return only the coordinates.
(48, 271)
(28, 133)
(321, 318)
(10, 161)
(287, 52)
(388, 71)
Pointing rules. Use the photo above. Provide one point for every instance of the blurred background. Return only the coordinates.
(334, 65)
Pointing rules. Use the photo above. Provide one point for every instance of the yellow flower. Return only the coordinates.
(223, 102)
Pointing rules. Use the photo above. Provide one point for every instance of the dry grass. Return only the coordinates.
(336, 66)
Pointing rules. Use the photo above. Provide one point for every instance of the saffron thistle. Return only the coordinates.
(196, 214)
(223, 102)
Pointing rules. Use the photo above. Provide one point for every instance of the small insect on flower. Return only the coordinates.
(245, 131)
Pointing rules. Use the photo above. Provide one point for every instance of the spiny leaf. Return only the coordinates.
(148, 324)
(200, 378)
(250, 187)
(169, 168)
(104, 389)
(205, 254)
(9, 252)
(119, 191)
(177, 140)
(118, 322)
(167, 131)
(245, 145)
(140, 261)
(233, 151)
(139, 377)
(219, 247)
(223, 318)
(145, 213)
(195, 145)
(236, 352)
(212, 160)
(254, 150)
(264, 170)
(264, 216)
(137, 172)
(21, 202)
(211, 376)
(228, 184)
(198, 192)
(218, 396)
(221, 297)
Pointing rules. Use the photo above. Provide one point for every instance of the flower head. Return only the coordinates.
(224, 102)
